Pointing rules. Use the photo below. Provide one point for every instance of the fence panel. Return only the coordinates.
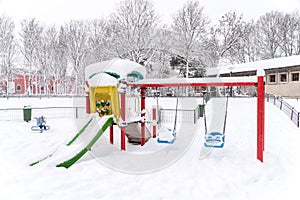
(168, 115)
(295, 117)
(48, 112)
(285, 107)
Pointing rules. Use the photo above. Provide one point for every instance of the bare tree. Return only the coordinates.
(161, 61)
(245, 50)
(289, 33)
(30, 47)
(76, 37)
(59, 73)
(269, 34)
(48, 57)
(133, 27)
(229, 37)
(190, 24)
(99, 41)
(8, 49)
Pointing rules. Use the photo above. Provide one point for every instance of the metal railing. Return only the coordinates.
(289, 110)
(48, 112)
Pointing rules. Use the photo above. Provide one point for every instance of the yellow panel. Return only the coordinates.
(105, 93)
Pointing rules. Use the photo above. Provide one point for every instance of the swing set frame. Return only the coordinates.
(206, 82)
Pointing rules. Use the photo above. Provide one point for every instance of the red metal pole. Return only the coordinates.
(154, 120)
(111, 134)
(87, 98)
(260, 117)
(123, 132)
(263, 114)
(143, 106)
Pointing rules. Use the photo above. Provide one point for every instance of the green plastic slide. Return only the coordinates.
(109, 122)
(71, 161)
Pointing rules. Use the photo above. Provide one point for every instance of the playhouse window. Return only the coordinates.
(19, 87)
(272, 78)
(283, 78)
(295, 76)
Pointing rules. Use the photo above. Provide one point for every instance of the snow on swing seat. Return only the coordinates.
(166, 136)
(215, 140)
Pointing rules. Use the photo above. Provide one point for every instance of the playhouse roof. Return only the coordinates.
(117, 68)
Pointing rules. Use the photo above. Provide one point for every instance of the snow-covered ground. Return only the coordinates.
(229, 173)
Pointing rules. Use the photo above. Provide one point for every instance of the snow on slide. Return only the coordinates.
(67, 155)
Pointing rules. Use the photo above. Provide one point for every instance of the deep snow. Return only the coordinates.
(229, 173)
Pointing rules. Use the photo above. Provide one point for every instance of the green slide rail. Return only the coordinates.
(68, 144)
(70, 162)
(80, 132)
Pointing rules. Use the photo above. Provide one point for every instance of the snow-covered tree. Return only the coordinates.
(161, 61)
(190, 25)
(76, 34)
(133, 27)
(8, 49)
(269, 34)
(30, 48)
(48, 58)
(99, 42)
(229, 37)
(289, 32)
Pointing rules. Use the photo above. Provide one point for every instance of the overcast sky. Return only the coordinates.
(60, 11)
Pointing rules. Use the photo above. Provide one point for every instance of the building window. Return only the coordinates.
(283, 78)
(272, 78)
(42, 88)
(19, 88)
(295, 76)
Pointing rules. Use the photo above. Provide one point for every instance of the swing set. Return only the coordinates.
(212, 137)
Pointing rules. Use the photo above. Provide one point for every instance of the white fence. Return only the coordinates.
(48, 112)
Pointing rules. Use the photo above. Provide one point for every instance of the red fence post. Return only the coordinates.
(123, 115)
(87, 98)
(143, 106)
(154, 120)
(260, 117)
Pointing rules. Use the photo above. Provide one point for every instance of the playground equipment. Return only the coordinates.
(41, 125)
(106, 105)
(37, 128)
(115, 96)
(214, 82)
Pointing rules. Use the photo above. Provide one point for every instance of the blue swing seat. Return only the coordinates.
(215, 140)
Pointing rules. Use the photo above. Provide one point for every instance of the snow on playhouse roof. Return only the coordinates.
(255, 66)
(120, 67)
(102, 79)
